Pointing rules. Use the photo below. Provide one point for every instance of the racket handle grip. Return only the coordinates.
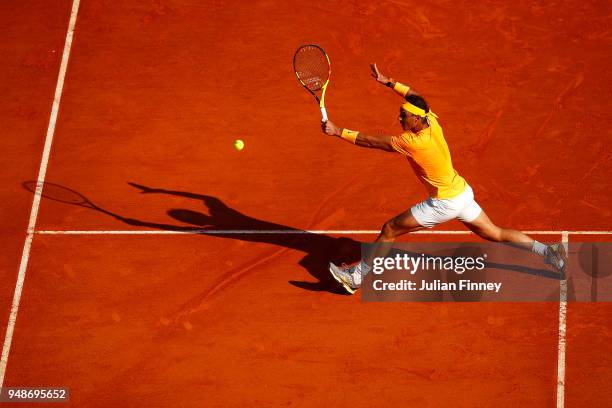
(323, 114)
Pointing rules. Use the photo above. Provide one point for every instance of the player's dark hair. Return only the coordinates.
(418, 101)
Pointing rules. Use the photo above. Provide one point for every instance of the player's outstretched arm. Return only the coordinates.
(358, 138)
(399, 88)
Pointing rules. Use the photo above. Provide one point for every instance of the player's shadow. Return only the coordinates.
(320, 249)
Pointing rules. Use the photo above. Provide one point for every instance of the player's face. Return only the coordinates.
(407, 120)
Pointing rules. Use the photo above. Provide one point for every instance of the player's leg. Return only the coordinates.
(399, 225)
(474, 217)
(486, 229)
(351, 277)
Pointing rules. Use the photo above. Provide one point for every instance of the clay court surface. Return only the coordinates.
(124, 311)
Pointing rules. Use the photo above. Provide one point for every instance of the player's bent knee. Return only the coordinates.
(388, 231)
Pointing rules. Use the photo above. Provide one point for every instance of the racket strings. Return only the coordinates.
(312, 67)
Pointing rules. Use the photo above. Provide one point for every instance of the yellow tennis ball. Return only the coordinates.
(238, 144)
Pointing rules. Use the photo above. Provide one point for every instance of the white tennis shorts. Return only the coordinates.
(434, 211)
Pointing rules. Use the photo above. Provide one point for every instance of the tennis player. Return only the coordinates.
(450, 196)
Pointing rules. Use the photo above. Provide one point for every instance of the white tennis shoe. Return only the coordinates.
(556, 256)
(344, 275)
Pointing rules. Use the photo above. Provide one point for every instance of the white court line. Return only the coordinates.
(562, 331)
(291, 231)
(8, 338)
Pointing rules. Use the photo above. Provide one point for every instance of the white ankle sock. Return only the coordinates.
(539, 248)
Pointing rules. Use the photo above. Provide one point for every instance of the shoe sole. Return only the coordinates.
(332, 270)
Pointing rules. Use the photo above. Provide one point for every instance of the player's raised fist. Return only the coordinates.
(378, 76)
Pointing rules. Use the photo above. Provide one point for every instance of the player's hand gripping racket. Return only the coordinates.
(312, 68)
